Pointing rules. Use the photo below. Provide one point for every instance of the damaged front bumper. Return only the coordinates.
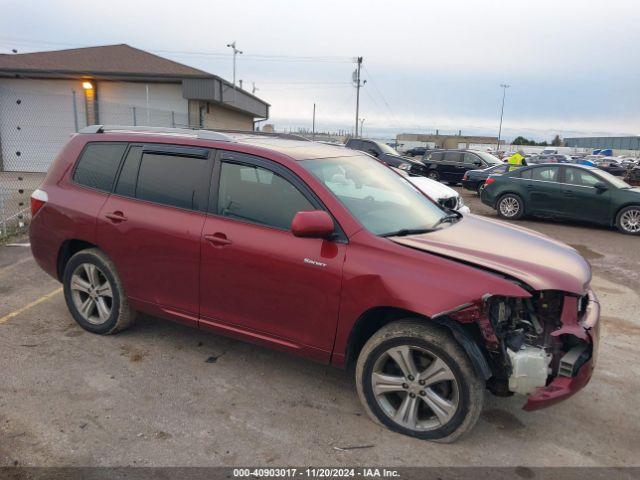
(588, 329)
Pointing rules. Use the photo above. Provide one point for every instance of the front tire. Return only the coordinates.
(94, 293)
(415, 379)
(510, 206)
(628, 220)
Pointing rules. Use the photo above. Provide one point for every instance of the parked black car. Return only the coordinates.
(416, 152)
(566, 191)
(451, 165)
(611, 165)
(387, 155)
(474, 179)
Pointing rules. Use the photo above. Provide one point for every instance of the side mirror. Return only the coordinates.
(315, 224)
(601, 186)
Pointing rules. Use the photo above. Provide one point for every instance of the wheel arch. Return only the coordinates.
(375, 318)
(67, 250)
(614, 219)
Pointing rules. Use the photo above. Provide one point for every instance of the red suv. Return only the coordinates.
(320, 251)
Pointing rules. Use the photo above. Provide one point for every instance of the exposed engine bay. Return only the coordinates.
(530, 341)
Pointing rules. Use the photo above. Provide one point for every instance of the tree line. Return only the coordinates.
(556, 142)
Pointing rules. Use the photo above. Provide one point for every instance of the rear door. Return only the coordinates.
(257, 278)
(452, 167)
(544, 189)
(151, 225)
(581, 199)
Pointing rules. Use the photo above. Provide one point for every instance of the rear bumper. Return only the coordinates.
(562, 388)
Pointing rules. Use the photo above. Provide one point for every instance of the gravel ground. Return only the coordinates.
(150, 397)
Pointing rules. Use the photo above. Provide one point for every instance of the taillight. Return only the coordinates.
(489, 181)
(38, 199)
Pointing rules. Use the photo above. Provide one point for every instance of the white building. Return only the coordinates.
(45, 96)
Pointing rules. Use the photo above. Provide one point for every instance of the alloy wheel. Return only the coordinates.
(415, 388)
(630, 220)
(91, 293)
(509, 207)
(433, 176)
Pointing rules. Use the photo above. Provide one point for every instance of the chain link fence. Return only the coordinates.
(33, 129)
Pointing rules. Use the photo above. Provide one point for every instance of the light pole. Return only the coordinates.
(504, 93)
(235, 52)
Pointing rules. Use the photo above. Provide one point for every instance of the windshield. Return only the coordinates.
(380, 199)
(615, 181)
(487, 157)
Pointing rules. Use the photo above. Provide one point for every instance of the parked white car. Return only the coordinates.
(444, 195)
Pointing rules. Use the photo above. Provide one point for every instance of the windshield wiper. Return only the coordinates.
(447, 218)
(403, 232)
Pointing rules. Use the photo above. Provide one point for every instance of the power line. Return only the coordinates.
(375, 86)
(254, 56)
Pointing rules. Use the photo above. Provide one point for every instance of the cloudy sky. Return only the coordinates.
(573, 66)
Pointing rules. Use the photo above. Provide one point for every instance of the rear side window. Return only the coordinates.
(547, 174)
(258, 195)
(436, 156)
(452, 156)
(172, 180)
(98, 165)
(129, 174)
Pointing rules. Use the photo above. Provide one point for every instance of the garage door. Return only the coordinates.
(36, 119)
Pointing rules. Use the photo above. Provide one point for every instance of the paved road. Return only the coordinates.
(149, 397)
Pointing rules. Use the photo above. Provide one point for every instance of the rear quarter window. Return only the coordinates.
(98, 165)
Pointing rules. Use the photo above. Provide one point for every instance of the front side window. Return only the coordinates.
(98, 165)
(173, 180)
(258, 195)
(577, 176)
(471, 159)
(547, 174)
(436, 156)
(380, 199)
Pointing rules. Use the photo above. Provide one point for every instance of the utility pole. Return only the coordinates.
(356, 80)
(504, 93)
(361, 126)
(313, 124)
(232, 45)
(254, 89)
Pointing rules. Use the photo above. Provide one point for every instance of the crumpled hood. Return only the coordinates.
(433, 188)
(533, 258)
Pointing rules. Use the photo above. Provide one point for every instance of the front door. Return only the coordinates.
(582, 200)
(257, 278)
(151, 225)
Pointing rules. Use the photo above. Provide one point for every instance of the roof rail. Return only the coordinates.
(202, 134)
(289, 136)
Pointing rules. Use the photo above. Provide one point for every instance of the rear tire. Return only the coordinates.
(443, 398)
(510, 206)
(94, 293)
(479, 188)
(628, 220)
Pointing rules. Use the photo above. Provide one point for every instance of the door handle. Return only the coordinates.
(116, 217)
(568, 193)
(529, 186)
(218, 239)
